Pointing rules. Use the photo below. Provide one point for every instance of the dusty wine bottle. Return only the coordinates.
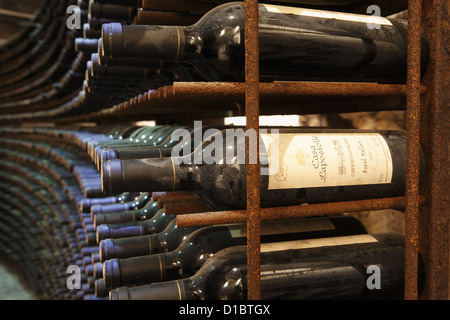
(305, 165)
(126, 62)
(202, 244)
(313, 269)
(295, 44)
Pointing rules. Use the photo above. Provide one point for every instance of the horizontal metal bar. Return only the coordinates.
(186, 207)
(289, 88)
(309, 210)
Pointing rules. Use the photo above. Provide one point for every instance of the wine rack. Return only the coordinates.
(32, 103)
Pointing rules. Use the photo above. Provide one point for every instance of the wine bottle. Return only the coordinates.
(91, 143)
(131, 3)
(144, 136)
(294, 44)
(90, 33)
(202, 244)
(111, 11)
(155, 17)
(140, 136)
(164, 149)
(204, 6)
(100, 289)
(85, 204)
(133, 204)
(100, 71)
(157, 140)
(313, 269)
(144, 213)
(170, 238)
(167, 240)
(130, 229)
(126, 62)
(304, 165)
(95, 270)
(86, 45)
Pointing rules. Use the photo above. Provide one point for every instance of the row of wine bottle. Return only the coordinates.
(311, 165)
(143, 260)
(295, 44)
(138, 251)
(381, 52)
(302, 258)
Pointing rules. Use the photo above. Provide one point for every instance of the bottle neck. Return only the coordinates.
(118, 175)
(143, 41)
(146, 212)
(202, 244)
(170, 238)
(159, 242)
(158, 224)
(169, 290)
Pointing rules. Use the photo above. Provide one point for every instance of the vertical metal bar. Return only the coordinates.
(413, 149)
(434, 231)
(253, 169)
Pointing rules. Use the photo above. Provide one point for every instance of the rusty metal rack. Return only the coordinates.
(193, 99)
(426, 210)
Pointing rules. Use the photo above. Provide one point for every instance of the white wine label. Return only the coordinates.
(283, 226)
(316, 243)
(329, 14)
(326, 160)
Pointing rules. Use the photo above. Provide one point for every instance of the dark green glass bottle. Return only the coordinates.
(294, 44)
(348, 267)
(202, 244)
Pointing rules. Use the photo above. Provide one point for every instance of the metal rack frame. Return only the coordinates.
(426, 216)
(426, 206)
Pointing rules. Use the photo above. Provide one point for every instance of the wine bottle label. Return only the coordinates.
(283, 227)
(316, 243)
(326, 160)
(328, 15)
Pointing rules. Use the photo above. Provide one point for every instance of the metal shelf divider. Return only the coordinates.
(253, 170)
(413, 149)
